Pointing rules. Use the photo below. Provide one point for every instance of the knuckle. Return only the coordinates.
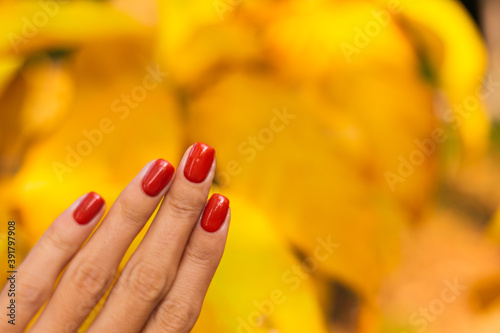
(71, 327)
(129, 214)
(200, 257)
(32, 292)
(184, 206)
(55, 240)
(147, 281)
(91, 279)
(177, 315)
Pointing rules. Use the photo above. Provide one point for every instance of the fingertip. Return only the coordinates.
(215, 213)
(158, 176)
(88, 208)
(199, 162)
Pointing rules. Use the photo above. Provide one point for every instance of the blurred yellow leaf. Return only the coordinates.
(29, 26)
(456, 51)
(260, 285)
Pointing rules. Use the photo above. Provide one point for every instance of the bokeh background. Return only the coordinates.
(358, 141)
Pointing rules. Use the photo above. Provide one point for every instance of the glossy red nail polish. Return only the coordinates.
(158, 176)
(88, 208)
(199, 162)
(215, 213)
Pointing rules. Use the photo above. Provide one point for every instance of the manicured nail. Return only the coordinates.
(158, 176)
(215, 213)
(199, 162)
(88, 208)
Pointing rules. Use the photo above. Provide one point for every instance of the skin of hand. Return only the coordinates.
(163, 285)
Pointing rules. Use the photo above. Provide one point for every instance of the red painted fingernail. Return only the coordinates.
(199, 162)
(88, 208)
(215, 213)
(158, 176)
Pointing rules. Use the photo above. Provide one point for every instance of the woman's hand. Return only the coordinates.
(162, 287)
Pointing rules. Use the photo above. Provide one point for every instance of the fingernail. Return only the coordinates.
(88, 208)
(158, 176)
(215, 213)
(199, 162)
